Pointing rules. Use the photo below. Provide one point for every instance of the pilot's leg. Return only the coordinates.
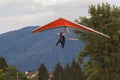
(57, 42)
(62, 43)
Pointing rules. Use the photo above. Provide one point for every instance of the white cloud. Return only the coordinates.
(3, 2)
(16, 14)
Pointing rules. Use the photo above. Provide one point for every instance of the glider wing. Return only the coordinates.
(61, 22)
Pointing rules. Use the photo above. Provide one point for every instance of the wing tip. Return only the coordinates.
(34, 31)
(108, 36)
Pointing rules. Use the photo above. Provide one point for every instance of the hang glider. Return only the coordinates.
(61, 22)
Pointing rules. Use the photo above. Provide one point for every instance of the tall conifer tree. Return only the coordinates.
(58, 72)
(67, 72)
(43, 73)
(3, 63)
(75, 71)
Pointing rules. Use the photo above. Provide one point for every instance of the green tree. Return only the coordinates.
(103, 53)
(2, 75)
(75, 71)
(67, 72)
(3, 63)
(11, 73)
(42, 72)
(58, 72)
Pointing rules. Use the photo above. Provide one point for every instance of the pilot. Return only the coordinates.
(61, 40)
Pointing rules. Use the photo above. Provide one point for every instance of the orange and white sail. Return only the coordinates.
(61, 22)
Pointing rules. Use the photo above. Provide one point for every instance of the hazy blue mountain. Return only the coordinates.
(27, 51)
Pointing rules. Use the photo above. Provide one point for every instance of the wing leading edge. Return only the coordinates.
(61, 22)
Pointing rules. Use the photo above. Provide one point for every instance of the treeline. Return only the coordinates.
(69, 72)
(9, 72)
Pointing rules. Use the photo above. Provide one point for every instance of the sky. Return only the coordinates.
(17, 14)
